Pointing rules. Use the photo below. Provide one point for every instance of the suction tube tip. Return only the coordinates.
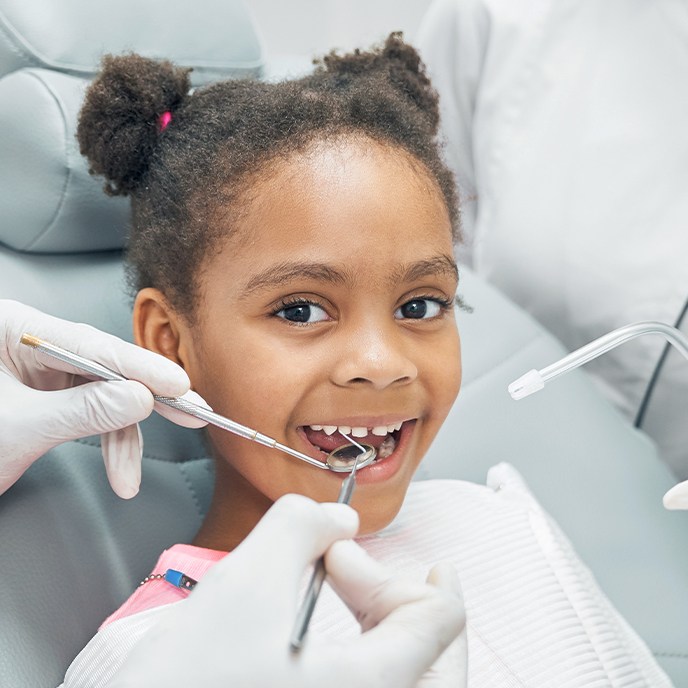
(677, 497)
(526, 385)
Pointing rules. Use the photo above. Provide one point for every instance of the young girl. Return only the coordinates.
(292, 250)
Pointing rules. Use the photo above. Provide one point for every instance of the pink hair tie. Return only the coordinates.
(164, 120)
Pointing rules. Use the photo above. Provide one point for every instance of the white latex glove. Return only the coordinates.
(44, 402)
(234, 629)
(677, 496)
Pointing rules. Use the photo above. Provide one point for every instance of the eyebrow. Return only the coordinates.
(284, 273)
(438, 265)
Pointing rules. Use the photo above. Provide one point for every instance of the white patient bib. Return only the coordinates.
(536, 618)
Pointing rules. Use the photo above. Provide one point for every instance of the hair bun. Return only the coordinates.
(119, 125)
(400, 63)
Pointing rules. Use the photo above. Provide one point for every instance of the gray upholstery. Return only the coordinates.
(47, 53)
(48, 201)
(71, 551)
(215, 37)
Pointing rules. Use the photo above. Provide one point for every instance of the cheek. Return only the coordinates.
(242, 379)
(444, 371)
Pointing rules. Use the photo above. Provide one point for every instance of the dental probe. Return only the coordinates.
(303, 618)
(178, 403)
(534, 380)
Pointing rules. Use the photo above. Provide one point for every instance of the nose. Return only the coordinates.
(375, 356)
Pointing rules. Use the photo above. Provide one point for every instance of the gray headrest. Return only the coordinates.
(215, 37)
(48, 201)
(48, 52)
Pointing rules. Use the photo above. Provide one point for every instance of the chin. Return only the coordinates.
(376, 516)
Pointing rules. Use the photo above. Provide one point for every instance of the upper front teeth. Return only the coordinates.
(379, 430)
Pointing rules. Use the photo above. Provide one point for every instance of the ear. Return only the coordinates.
(158, 327)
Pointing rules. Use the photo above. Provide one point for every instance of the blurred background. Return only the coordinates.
(304, 27)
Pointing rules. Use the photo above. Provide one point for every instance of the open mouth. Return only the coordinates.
(326, 438)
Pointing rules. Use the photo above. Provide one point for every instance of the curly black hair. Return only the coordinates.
(181, 176)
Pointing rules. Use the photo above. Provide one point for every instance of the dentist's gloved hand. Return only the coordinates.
(677, 496)
(44, 402)
(234, 629)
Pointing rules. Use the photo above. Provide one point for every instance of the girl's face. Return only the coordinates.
(330, 307)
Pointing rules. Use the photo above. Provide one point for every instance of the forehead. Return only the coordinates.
(352, 201)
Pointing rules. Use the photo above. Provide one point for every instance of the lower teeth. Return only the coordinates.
(386, 448)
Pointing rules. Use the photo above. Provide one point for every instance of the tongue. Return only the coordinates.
(329, 443)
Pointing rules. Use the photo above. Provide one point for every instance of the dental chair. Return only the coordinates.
(71, 551)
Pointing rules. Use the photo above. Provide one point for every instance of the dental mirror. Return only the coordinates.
(343, 458)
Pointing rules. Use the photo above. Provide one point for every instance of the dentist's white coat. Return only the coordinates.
(567, 125)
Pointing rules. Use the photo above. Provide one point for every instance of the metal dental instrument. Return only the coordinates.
(341, 463)
(342, 459)
(534, 380)
(303, 618)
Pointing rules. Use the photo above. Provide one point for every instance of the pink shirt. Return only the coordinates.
(190, 560)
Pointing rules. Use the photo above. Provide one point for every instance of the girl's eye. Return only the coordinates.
(302, 313)
(419, 309)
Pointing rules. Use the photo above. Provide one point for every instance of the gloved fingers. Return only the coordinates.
(93, 408)
(443, 576)
(407, 624)
(303, 530)
(450, 670)
(45, 419)
(161, 375)
(122, 452)
(677, 496)
(39, 371)
(358, 580)
(292, 534)
(181, 418)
